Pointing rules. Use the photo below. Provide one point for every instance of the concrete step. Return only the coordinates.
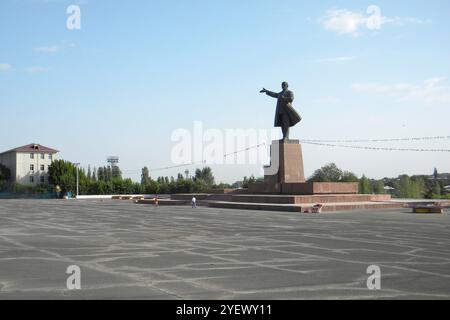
(255, 206)
(165, 202)
(327, 207)
(296, 199)
(188, 197)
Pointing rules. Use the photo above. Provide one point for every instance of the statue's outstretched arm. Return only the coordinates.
(272, 94)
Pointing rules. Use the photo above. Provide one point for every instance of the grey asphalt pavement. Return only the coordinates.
(131, 251)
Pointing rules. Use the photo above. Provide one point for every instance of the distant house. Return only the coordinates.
(447, 188)
(390, 190)
(440, 176)
(29, 164)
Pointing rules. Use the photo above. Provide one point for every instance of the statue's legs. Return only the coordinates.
(285, 126)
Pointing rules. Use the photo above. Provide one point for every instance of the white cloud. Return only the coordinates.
(55, 48)
(5, 67)
(343, 21)
(36, 69)
(335, 59)
(347, 22)
(431, 91)
(47, 49)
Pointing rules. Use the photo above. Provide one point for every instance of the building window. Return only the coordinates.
(31, 167)
(42, 179)
(42, 156)
(50, 157)
(48, 168)
(31, 179)
(42, 167)
(31, 155)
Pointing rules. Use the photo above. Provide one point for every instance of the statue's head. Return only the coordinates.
(285, 85)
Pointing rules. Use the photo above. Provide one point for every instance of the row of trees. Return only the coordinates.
(331, 173)
(107, 180)
(404, 186)
(418, 187)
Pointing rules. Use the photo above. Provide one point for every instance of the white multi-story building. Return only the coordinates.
(29, 164)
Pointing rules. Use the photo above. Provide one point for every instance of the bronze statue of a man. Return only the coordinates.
(285, 114)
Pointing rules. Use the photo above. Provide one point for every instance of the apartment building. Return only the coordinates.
(29, 164)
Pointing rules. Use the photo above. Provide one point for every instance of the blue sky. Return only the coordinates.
(138, 70)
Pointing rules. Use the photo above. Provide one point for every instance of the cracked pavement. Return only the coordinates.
(132, 251)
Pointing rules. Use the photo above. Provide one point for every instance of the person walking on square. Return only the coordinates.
(194, 203)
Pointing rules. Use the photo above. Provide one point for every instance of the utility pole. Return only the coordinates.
(78, 179)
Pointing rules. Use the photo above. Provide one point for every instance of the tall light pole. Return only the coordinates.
(78, 185)
(113, 163)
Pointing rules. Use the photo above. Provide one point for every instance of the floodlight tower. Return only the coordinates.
(113, 163)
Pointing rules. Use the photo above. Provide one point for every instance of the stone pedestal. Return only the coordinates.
(285, 175)
(286, 164)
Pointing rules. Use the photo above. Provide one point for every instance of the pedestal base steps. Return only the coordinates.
(304, 188)
(327, 207)
(276, 202)
(301, 203)
(298, 203)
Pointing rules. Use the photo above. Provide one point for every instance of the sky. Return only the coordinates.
(136, 71)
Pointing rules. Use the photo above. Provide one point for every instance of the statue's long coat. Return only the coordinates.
(284, 106)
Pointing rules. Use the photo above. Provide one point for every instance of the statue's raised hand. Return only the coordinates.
(263, 90)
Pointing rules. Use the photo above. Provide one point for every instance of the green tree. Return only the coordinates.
(152, 187)
(145, 176)
(206, 175)
(348, 176)
(435, 192)
(247, 181)
(5, 176)
(410, 188)
(365, 186)
(328, 173)
(64, 174)
(115, 172)
(101, 174)
(89, 173)
(378, 187)
(404, 186)
(108, 173)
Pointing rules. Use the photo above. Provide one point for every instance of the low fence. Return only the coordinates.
(106, 197)
(12, 195)
(52, 195)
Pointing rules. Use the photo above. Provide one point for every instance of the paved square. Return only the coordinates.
(130, 251)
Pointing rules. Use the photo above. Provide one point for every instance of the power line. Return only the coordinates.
(179, 166)
(197, 162)
(376, 148)
(325, 143)
(246, 149)
(377, 140)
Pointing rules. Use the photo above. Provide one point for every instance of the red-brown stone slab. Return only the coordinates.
(306, 188)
